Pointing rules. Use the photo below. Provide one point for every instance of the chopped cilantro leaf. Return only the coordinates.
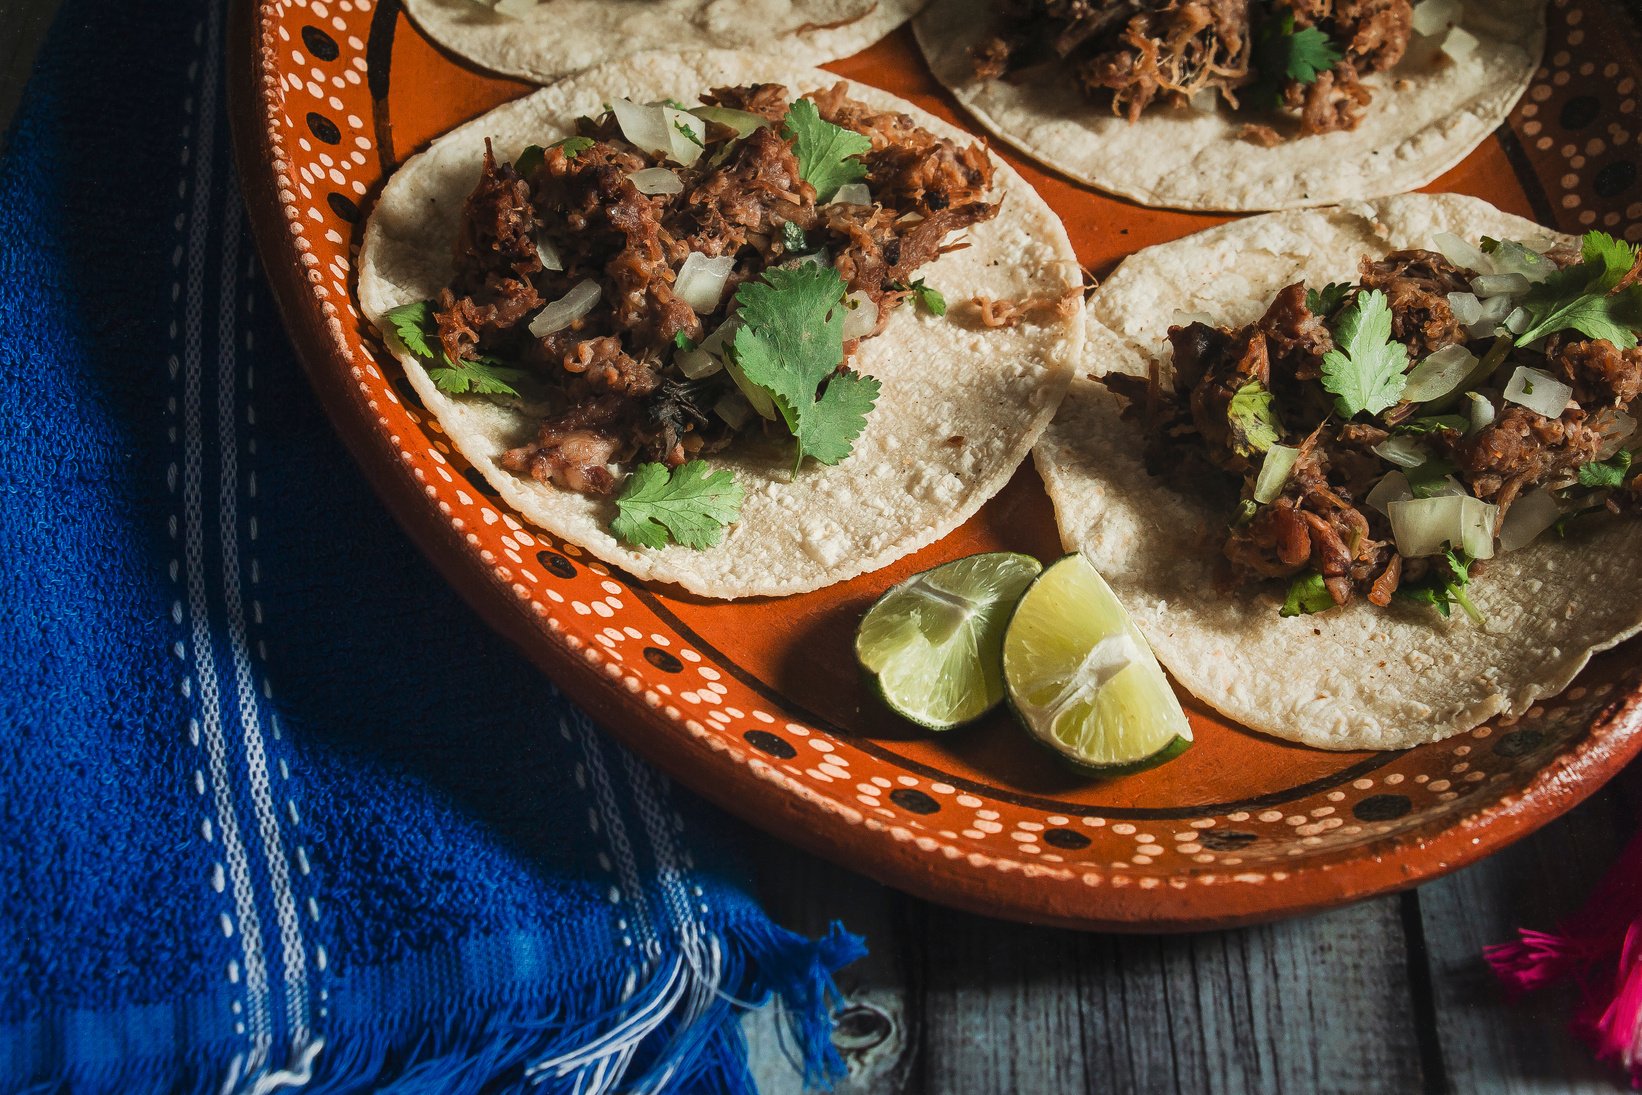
(1282, 53)
(529, 160)
(413, 325)
(1443, 586)
(1429, 478)
(1489, 245)
(793, 240)
(1582, 297)
(481, 376)
(1307, 595)
(573, 146)
(688, 505)
(682, 341)
(689, 134)
(1329, 301)
(930, 300)
(1367, 371)
(1253, 420)
(791, 343)
(828, 155)
(675, 104)
(1431, 423)
(1606, 474)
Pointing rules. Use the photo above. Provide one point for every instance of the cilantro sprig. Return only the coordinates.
(413, 325)
(791, 343)
(930, 300)
(1328, 300)
(1307, 596)
(1253, 420)
(1582, 297)
(1444, 586)
(828, 155)
(688, 505)
(1283, 53)
(1609, 474)
(1367, 371)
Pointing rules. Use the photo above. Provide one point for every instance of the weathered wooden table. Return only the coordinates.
(1389, 995)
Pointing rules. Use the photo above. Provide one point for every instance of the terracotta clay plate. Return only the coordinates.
(756, 704)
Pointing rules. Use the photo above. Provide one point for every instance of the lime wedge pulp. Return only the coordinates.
(1081, 678)
(930, 646)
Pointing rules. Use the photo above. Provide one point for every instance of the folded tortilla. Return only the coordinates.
(1360, 677)
(554, 38)
(960, 407)
(1425, 118)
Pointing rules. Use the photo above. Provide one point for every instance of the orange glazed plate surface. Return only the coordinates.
(758, 704)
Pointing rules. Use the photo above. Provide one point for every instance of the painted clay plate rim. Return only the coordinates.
(310, 102)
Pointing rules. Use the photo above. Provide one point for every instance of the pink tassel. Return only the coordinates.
(1601, 946)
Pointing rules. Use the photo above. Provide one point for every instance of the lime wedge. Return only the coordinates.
(1082, 679)
(930, 646)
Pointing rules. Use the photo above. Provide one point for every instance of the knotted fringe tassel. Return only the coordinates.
(674, 1026)
(1601, 947)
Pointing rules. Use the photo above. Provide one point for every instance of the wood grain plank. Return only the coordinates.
(1488, 1044)
(1308, 1006)
(877, 1033)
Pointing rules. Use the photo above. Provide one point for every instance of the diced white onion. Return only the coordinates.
(1539, 392)
(707, 358)
(645, 127)
(1274, 472)
(1402, 451)
(656, 180)
(1494, 311)
(734, 409)
(1186, 319)
(1496, 285)
(700, 282)
(567, 309)
(1423, 526)
(1393, 487)
(1482, 413)
(1435, 16)
(758, 397)
(1616, 428)
(1449, 487)
(1528, 516)
(1511, 257)
(1207, 101)
(549, 255)
(1439, 374)
(684, 150)
(742, 121)
(854, 193)
(1518, 321)
(1466, 307)
(862, 316)
(1462, 253)
(1460, 44)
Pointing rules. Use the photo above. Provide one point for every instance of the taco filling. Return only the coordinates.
(1377, 439)
(671, 280)
(1301, 58)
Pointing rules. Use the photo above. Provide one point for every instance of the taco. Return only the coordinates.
(1239, 104)
(542, 40)
(1363, 476)
(709, 343)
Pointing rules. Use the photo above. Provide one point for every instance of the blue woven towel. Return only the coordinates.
(275, 810)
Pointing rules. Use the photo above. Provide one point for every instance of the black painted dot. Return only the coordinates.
(556, 564)
(662, 660)
(1519, 743)
(342, 207)
(1580, 112)
(1614, 179)
(320, 44)
(479, 483)
(1065, 838)
(1382, 808)
(913, 801)
(763, 740)
(1225, 840)
(323, 128)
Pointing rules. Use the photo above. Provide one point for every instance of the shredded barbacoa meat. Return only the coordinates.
(606, 383)
(1320, 522)
(1132, 54)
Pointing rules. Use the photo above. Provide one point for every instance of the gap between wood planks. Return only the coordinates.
(1385, 996)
